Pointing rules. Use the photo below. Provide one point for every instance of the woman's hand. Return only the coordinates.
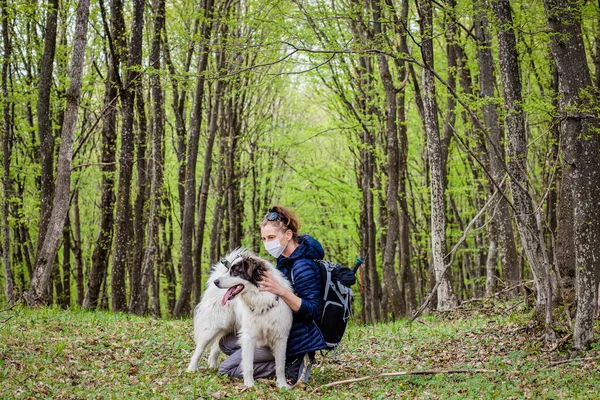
(268, 284)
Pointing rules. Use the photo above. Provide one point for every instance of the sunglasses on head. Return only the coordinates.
(273, 216)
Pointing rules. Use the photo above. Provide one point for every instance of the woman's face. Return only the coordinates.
(271, 232)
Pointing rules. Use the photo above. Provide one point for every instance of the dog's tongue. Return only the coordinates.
(229, 294)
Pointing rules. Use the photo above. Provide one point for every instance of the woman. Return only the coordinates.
(295, 256)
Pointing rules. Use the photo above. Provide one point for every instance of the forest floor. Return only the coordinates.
(50, 353)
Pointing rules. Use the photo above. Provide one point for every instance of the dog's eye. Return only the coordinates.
(225, 263)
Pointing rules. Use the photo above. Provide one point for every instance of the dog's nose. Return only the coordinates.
(216, 282)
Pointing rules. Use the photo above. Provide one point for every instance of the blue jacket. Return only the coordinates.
(305, 276)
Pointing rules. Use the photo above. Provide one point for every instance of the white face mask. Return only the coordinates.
(274, 247)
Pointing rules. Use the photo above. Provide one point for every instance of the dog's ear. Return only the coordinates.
(256, 270)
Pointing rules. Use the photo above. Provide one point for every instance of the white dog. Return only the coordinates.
(261, 318)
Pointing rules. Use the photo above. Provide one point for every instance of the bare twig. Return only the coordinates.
(509, 309)
(74, 167)
(508, 289)
(404, 373)
(424, 323)
(555, 363)
(560, 343)
(11, 307)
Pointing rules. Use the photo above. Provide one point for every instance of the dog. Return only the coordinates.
(260, 318)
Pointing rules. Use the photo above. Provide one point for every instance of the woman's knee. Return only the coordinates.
(229, 344)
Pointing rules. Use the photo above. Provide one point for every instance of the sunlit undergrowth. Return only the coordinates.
(50, 353)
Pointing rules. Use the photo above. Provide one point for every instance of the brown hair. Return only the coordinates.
(285, 219)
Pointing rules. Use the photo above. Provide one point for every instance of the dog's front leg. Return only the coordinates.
(279, 355)
(248, 360)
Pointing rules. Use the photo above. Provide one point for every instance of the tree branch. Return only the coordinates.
(405, 373)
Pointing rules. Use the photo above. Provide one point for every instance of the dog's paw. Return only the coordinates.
(192, 368)
(283, 385)
(213, 364)
(249, 382)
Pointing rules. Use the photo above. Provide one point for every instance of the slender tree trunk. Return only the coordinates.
(140, 208)
(393, 172)
(190, 276)
(234, 195)
(580, 147)
(490, 265)
(139, 305)
(101, 253)
(494, 136)
(218, 210)
(64, 298)
(215, 111)
(77, 249)
(44, 118)
(7, 140)
(446, 297)
(24, 239)
(178, 106)
(123, 213)
(528, 216)
(167, 258)
(48, 251)
(374, 293)
(407, 281)
(205, 185)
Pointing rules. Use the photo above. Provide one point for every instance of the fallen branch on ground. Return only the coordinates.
(555, 363)
(424, 323)
(11, 307)
(403, 373)
(560, 343)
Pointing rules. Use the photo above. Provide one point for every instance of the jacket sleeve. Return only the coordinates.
(307, 285)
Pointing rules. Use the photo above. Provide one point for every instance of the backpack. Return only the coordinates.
(336, 282)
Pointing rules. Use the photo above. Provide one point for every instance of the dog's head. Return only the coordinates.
(245, 271)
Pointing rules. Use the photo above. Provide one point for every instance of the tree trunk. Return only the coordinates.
(527, 214)
(205, 183)
(494, 136)
(44, 118)
(64, 297)
(234, 195)
(395, 298)
(446, 298)
(48, 251)
(178, 106)
(406, 274)
(123, 213)
(77, 249)
(190, 276)
(139, 304)
(24, 239)
(140, 208)
(218, 210)
(167, 258)
(101, 254)
(7, 140)
(580, 147)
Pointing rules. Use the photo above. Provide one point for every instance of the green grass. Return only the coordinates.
(50, 353)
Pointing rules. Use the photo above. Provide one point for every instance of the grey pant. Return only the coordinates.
(264, 363)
